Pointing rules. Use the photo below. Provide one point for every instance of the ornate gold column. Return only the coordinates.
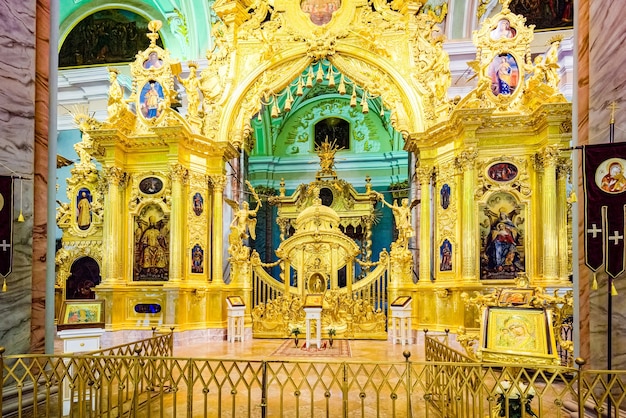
(179, 176)
(349, 275)
(563, 171)
(217, 227)
(423, 177)
(112, 226)
(549, 157)
(465, 165)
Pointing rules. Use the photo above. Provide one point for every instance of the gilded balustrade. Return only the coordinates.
(139, 386)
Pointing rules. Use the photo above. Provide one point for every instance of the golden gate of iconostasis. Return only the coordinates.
(263, 53)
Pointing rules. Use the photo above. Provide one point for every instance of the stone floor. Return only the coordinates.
(263, 349)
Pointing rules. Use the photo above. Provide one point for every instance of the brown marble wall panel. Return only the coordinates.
(38, 315)
(582, 106)
(17, 104)
(606, 81)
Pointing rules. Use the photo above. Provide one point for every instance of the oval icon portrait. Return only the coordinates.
(151, 185)
(610, 176)
(504, 74)
(502, 172)
(320, 11)
(151, 99)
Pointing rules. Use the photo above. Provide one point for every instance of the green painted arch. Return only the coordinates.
(297, 136)
(244, 101)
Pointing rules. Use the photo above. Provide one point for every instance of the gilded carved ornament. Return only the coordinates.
(66, 256)
(259, 30)
(115, 176)
(431, 62)
(424, 174)
(564, 168)
(141, 193)
(502, 63)
(519, 182)
(561, 307)
(549, 156)
(217, 182)
(179, 173)
(466, 160)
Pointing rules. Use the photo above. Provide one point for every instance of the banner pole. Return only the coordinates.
(609, 285)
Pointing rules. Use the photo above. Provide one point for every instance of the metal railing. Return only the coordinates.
(105, 385)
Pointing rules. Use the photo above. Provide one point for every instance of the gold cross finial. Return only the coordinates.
(613, 107)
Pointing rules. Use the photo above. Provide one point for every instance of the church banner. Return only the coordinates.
(605, 203)
(6, 225)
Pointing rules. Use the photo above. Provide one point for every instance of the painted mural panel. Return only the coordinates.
(545, 14)
(105, 37)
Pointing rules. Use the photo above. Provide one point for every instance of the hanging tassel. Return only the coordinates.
(613, 289)
(309, 78)
(342, 86)
(320, 74)
(594, 284)
(353, 98)
(364, 105)
(573, 198)
(20, 218)
(288, 102)
(275, 110)
(299, 91)
(4, 285)
(330, 77)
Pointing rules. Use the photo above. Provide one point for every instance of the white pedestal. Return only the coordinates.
(313, 314)
(77, 341)
(401, 324)
(236, 324)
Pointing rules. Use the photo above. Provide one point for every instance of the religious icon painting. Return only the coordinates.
(197, 259)
(502, 172)
(445, 255)
(198, 204)
(320, 11)
(609, 176)
(152, 251)
(153, 61)
(445, 196)
(151, 185)
(502, 231)
(508, 333)
(503, 30)
(504, 74)
(83, 208)
(151, 99)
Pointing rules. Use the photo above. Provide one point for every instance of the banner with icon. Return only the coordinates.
(604, 168)
(6, 225)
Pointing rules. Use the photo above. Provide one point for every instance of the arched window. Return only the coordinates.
(336, 129)
(84, 276)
